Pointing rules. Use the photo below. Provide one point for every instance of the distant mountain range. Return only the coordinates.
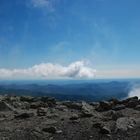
(77, 91)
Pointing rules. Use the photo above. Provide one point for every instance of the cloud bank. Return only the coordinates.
(119, 73)
(78, 69)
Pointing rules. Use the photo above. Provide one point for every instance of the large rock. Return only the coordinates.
(38, 104)
(118, 107)
(105, 130)
(86, 106)
(27, 99)
(137, 107)
(73, 105)
(21, 105)
(125, 123)
(49, 100)
(74, 117)
(41, 111)
(87, 110)
(24, 115)
(5, 106)
(132, 103)
(62, 108)
(129, 99)
(94, 104)
(104, 106)
(114, 101)
(11, 99)
(98, 124)
(115, 115)
(85, 114)
(50, 129)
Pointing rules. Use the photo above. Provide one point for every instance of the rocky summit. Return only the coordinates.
(45, 118)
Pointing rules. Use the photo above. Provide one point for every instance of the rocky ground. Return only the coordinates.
(44, 118)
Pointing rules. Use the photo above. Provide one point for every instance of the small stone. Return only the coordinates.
(137, 107)
(105, 130)
(75, 121)
(27, 99)
(41, 111)
(24, 115)
(62, 108)
(94, 103)
(86, 114)
(50, 129)
(97, 125)
(49, 100)
(74, 117)
(59, 131)
(108, 136)
(37, 105)
(73, 105)
(51, 138)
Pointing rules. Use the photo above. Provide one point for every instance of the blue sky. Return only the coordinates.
(103, 33)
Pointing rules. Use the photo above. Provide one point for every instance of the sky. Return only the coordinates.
(76, 39)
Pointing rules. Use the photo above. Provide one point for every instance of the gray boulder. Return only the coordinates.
(125, 123)
(74, 117)
(137, 107)
(24, 115)
(41, 111)
(5, 106)
(132, 103)
(129, 99)
(105, 130)
(104, 106)
(115, 115)
(38, 104)
(50, 129)
(118, 107)
(49, 100)
(73, 105)
(27, 99)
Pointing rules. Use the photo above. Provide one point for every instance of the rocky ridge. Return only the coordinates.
(45, 118)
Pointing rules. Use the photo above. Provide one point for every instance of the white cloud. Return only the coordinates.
(77, 69)
(46, 4)
(135, 92)
(40, 3)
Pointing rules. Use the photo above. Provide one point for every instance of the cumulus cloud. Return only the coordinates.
(78, 69)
